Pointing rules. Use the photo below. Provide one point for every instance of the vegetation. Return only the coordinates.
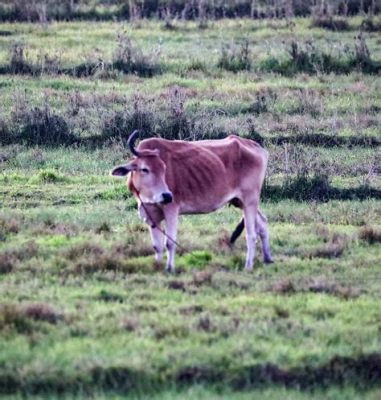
(85, 310)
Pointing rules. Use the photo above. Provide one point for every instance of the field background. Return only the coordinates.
(85, 312)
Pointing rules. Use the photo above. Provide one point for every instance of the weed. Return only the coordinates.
(8, 263)
(198, 259)
(12, 318)
(130, 324)
(370, 25)
(177, 285)
(18, 63)
(85, 249)
(284, 286)
(48, 176)
(177, 124)
(330, 23)
(235, 59)
(129, 58)
(205, 323)
(41, 126)
(104, 227)
(370, 234)
(42, 312)
(334, 249)
(9, 225)
(107, 296)
(201, 278)
(19, 317)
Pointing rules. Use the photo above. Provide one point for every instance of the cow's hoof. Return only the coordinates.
(169, 270)
(248, 269)
(268, 261)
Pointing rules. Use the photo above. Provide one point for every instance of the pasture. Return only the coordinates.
(86, 312)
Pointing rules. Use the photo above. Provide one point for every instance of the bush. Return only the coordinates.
(370, 234)
(18, 63)
(122, 123)
(330, 23)
(41, 126)
(48, 176)
(129, 59)
(306, 57)
(370, 25)
(235, 58)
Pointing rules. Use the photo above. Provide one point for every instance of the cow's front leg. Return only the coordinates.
(171, 214)
(157, 238)
(250, 212)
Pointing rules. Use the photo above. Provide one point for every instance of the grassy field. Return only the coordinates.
(86, 312)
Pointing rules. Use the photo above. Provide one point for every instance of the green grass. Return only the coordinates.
(86, 311)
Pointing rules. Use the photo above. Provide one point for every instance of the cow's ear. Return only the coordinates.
(123, 170)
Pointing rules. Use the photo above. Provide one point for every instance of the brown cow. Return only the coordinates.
(177, 177)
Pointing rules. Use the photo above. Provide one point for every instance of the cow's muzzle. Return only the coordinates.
(166, 198)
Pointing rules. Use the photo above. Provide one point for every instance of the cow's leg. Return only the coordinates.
(263, 232)
(250, 212)
(171, 214)
(157, 242)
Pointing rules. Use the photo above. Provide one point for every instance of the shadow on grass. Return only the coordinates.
(318, 188)
(323, 140)
(362, 371)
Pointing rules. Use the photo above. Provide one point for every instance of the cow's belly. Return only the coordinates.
(205, 206)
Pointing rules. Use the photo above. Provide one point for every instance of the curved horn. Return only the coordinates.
(131, 141)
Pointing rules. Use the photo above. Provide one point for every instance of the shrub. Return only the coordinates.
(176, 125)
(41, 312)
(235, 59)
(264, 101)
(7, 262)
(370, 234)
(18, 63)
(370, 25)
(48, 176)
(330, 23)
(306, 57)
(129, 58)
(41, 126)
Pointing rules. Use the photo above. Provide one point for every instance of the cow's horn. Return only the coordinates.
(131, 141)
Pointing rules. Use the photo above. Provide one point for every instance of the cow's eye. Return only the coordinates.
(144, 170)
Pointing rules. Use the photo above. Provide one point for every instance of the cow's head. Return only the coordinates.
(147, 174)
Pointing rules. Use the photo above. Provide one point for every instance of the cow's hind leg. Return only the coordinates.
(250, 212)
(263, 232)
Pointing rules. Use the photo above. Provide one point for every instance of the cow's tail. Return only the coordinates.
(237, 232)
(241, 226)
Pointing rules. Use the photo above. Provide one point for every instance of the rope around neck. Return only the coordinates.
(154, 226)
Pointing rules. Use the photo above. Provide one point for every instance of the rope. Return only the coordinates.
(154, 226)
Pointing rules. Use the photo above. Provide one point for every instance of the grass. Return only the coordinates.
(87, 311)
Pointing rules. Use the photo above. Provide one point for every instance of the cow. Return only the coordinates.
(174, 177)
